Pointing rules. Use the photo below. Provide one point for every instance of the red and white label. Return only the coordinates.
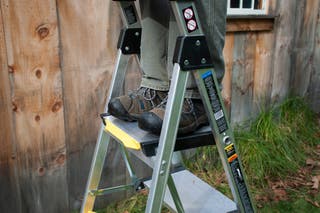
(192, 25)
(190, 19)
(188, 14)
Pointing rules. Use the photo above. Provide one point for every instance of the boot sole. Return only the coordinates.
(202, 121)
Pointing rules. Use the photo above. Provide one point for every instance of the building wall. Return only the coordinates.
(266, 66)
(56, 62)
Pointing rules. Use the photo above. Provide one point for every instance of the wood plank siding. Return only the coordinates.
(57, 59)
(306, 43)
(88, 38)
(9, 184)
(32, 45)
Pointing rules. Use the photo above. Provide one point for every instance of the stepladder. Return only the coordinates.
(191, 57)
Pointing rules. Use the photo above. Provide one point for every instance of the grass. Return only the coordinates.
(132, 205)
(273, 151)
(135, 204)
(275, 145)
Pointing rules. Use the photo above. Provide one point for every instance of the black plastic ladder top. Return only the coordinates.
(129, 41)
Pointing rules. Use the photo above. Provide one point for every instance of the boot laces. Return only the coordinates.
(190, 109)
(186, 110)
(147, 94)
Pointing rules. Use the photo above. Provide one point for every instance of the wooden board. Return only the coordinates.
(31, 36)
(9, 185)
(313, 91)
(272, 7)
(249, 24)
(242, 77)
(304, 45)
(263, 71)
(88, 32)
(284, 37)
(227, 79)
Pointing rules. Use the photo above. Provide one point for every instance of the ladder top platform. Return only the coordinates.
(135, 138)
(197, 196)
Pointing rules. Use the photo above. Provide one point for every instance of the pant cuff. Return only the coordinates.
(155, 84)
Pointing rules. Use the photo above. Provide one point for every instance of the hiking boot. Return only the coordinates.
(129, 107)
(193, 116)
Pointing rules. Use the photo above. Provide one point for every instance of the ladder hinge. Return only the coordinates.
(130, 41)
(192, 53)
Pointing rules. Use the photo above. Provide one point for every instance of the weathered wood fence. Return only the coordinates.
(56, 61)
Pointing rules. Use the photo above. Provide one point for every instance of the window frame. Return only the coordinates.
(247, 11)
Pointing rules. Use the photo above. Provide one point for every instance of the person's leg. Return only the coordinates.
(155, 81)
(155, 22)
(192, 91)
(212, 14)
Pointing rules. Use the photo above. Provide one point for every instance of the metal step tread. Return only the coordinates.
(196, 195)
(135, 138)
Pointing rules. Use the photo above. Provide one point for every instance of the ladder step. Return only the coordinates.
(135, 138)
(196, 195)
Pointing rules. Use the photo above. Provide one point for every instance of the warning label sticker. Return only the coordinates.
(192, 25)
(216, 104)
(231, 153)
(190, 19)
(188, 13)
(232, 158)
(230, 150)
(218, 115)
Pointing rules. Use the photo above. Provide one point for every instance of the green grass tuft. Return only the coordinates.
(275, 144)
(134, 204)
